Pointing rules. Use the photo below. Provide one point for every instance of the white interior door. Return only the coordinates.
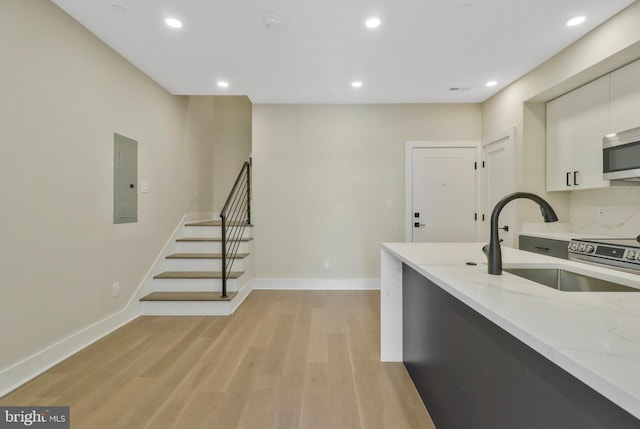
(444, 194)
(499, 180)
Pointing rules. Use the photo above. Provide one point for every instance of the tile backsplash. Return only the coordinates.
(611, 211)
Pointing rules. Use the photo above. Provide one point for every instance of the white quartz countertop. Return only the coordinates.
(594, 336)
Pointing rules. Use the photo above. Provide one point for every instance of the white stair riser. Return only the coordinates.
(200, 265)
(202, 231)
(207, 247)
(191, 308)
(214, 231)
(186, 308)
(192, 285)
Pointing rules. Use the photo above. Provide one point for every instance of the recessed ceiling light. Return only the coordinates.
(576, 21)
(491, 83)
(356, 84)
(372, 22)
(223, 84)
(173, 23)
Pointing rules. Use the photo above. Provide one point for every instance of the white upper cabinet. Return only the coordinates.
(576, 124)
(591, 124)
(560, 142)
(625, 97)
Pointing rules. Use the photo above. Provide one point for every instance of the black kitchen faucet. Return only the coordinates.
(492, 250)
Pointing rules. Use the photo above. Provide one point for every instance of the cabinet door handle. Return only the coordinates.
(544, 249)
(568, 178)
(575, 180)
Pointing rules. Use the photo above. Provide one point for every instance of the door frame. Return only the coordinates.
(508, 134)
(408, 178)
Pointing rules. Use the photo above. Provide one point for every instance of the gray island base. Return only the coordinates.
(471, 373)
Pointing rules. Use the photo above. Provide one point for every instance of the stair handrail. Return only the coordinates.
(235, 216)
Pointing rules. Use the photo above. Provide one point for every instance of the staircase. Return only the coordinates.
(192, 282)
(206, 275)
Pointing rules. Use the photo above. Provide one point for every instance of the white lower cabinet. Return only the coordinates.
(576, 124)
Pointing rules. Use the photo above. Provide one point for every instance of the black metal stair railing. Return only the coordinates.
(235, 217)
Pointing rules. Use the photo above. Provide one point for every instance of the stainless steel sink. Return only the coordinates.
(568, 281)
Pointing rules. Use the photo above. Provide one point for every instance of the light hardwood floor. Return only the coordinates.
(285, 359)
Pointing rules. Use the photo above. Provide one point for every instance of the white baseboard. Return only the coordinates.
(16, 375)
(316, 284)
(30, 367)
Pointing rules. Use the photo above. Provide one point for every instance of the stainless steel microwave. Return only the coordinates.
(621, 155)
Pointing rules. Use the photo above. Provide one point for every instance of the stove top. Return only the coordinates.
(625, 242)
(621, 253)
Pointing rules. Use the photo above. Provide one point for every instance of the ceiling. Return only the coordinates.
(304, 51)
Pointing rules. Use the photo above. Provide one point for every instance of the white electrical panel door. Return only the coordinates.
(125, 179)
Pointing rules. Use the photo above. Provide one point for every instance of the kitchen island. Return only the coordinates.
(503, 349)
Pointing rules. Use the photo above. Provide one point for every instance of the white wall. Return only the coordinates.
(63, 95)
(231, 143)
(322, 174)
(610, 46)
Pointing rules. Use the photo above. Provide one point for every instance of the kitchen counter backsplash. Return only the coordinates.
(611, 211)
(543, 227)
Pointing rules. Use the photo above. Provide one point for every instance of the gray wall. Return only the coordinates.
(231, 143)
(322, 174)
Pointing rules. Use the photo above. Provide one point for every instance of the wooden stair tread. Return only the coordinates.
(214, 239)
(204, 256)
(197, 275)
(218, 223)
(188, 296)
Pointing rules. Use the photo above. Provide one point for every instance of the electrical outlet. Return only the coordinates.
(115, 289)
(389, 205)
(601, 213)
(327, 264)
